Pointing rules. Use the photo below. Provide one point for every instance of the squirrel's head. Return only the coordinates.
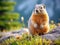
(40, 8)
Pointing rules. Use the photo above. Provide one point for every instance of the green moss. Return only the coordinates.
(30, 40)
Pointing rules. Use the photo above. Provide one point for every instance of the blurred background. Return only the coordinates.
(16, 13)
(25, 8)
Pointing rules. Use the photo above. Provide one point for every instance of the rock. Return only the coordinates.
(56, 30)
(4, 38)
(20, 32)
(52, 35)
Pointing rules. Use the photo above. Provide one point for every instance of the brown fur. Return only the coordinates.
(39, 19)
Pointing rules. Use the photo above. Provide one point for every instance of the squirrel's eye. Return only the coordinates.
(41, 7)
(44, 6)
(37, 11)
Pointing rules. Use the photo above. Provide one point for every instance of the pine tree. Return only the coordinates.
(8, 18)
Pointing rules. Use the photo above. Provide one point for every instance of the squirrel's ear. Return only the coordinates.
(36, 5)
(44, 6)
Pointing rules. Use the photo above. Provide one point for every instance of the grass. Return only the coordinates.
(32, 40)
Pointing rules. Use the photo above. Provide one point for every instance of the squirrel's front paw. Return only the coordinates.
(41, 26)
(35, 25)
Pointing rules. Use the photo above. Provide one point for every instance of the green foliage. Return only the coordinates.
(8, 18)
(2, 4)
(10, 24)
(5, 0)
(30, 40)
(9, 8)
(52, 25)
(57, 41)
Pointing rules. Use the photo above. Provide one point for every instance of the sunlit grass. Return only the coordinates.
(52, 25)
(32, 40)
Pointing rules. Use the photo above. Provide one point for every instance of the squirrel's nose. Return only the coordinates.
(37, 11)
(40, 10)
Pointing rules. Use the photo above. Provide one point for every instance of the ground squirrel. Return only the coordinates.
(39, 21)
